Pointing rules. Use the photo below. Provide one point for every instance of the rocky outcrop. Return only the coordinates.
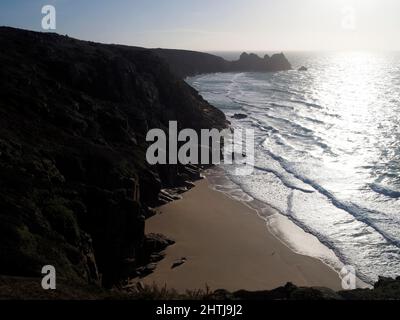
(252, 62)
(384, 289)
(190, 63)
(239, 116)
(279, 62)
(75, 187)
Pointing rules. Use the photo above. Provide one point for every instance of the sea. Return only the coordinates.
(327, 152)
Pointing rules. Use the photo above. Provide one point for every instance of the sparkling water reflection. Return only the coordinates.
(328, 149)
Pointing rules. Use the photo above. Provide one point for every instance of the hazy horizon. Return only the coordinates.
(234, 25)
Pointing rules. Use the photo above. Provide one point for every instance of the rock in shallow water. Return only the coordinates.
(239, 116)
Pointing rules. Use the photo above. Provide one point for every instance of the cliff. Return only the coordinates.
(190, 63)
(252, 62)
(75, 187)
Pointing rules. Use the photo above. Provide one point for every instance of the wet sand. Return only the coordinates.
(227, 245)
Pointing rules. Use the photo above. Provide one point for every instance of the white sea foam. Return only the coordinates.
(327, 151)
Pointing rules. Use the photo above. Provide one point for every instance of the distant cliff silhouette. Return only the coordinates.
(189, 63)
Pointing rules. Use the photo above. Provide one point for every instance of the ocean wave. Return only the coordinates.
(278, 105)
(329, 243)
(284, 180)
(293, 124)
(309, 104)
(303, 124)
(278, 90)
(384, 190)
(358, 212)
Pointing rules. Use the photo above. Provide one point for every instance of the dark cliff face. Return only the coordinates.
(252, 62)
(190, 63)
(74, 183)
(279, 62)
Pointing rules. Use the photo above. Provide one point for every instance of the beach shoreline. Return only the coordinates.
(227, 245)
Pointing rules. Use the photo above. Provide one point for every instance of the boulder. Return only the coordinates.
(155, 242)
(178, 263)
(239, 116)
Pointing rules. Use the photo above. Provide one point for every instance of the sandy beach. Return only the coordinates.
(227, 246)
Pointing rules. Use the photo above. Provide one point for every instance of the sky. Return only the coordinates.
(220, 25)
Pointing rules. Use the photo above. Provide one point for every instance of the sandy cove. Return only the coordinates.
(227, 245)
